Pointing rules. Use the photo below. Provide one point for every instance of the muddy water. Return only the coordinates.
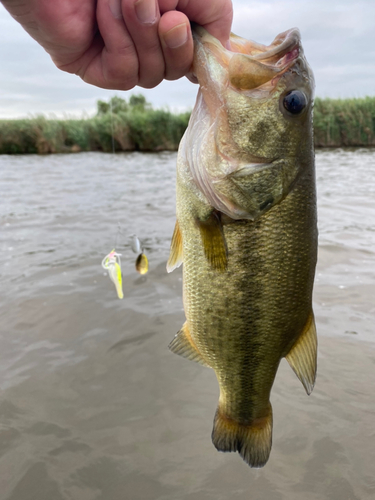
(94, 406)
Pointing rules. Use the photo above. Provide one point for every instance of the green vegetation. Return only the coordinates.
(344, 122)
(135, 125)
(125, 125)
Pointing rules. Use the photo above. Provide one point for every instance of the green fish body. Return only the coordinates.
(246, 230)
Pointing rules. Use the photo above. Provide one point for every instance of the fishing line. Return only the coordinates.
(112, 129)
(112, 262)
(117, 233)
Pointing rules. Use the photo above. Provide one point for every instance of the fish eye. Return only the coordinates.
(295, 102)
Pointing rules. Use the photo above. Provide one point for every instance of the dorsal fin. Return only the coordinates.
(213, 240)
(175, 255)
(303, 355)
(184, 345)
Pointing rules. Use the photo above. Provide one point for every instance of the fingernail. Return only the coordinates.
(115, 8)
(145, 11)
(176, 37)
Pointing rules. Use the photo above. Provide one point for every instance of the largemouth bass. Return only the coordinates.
(246, 230)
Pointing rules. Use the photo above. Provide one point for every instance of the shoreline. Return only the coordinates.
(136, 126)
(75, 150)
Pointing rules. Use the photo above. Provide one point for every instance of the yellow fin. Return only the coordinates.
(303, 355)
(184, 345)
(253, 440)
(213, 241)
(175, 256)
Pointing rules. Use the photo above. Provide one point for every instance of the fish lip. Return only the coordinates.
(290, 40)
(282, 44)
(280, 55)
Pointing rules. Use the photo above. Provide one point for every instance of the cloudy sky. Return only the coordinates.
(338, 38)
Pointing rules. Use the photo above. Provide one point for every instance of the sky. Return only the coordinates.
(338, 37)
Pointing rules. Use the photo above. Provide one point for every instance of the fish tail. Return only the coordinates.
(253, 441)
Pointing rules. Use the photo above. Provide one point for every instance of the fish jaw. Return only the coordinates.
(240, 122)
(247, 64)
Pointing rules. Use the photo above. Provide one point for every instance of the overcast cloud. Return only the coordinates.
(338, 38)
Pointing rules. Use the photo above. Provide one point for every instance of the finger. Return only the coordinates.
(112, 61)
(141, 19)
(177, 44)
(119, 58)
(214, 15)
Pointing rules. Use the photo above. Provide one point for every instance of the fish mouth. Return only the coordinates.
(250, 64)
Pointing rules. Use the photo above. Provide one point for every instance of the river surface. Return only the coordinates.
(93, 406)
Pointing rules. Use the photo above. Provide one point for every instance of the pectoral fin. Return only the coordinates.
(184, 345)
(302, 356)
(213, 240)
(175, 256)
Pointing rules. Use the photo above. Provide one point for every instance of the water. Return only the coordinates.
(92, 403)
(344, 291)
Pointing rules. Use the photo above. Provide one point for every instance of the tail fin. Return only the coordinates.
(252, 441)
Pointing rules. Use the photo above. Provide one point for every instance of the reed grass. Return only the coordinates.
(135, 125)
(344, 122)
(125, 125)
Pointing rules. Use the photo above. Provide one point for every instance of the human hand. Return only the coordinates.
(117, 44)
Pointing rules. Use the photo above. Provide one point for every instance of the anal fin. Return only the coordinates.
(302, 357)
(184, 345)
(213, 240)
(175, 256)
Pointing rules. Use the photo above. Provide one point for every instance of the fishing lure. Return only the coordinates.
(141, 264)
(112, 264)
